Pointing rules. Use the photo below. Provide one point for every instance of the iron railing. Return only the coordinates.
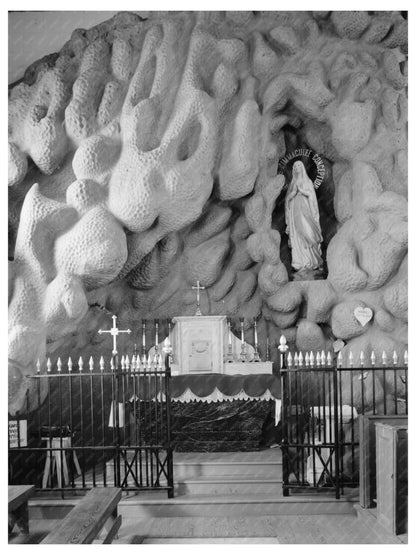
(320, 408)
(94, 428)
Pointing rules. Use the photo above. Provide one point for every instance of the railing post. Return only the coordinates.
(336, 433)
(169, 453)
(285, 469)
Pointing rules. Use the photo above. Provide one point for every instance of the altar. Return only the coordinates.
(206, 345)
(223, 397)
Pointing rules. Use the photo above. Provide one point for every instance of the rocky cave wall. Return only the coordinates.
(143, 156)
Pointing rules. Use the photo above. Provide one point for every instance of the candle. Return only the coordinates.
(143, 335)
(229, 332)
(242, 329)
(255, 332)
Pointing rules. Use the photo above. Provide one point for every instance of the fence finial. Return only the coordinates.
(323, 357)
(69, 365)
(127, 362)
(296, 360)
(339, 360)
(133, 363)
(307, 360)
(122, 362)
(102, 364)
(149, 361)
(289, 360)
(406, 360)
(300, 359)
(384, 358)
(318, 359)
(59, 364)
(80, 364)
(48, 365)
(38, 366)
(395, 358)
(351, 359)
(329, 359)
(362, 358)
(373, 358)
(91, 364)
(160, 361)
(311, 359)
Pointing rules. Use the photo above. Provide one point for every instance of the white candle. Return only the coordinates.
(242, 330)
(229, 333)
(255, 333)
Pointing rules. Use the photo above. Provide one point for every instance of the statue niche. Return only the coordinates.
(302, 225)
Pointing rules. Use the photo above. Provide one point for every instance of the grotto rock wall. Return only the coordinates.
(143, 156)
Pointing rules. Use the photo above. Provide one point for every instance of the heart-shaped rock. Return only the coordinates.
(337, 346)
(363, 315)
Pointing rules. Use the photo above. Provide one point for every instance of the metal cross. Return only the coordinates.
(198, 288)
(114, 332)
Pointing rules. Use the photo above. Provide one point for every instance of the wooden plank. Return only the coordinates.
(87, 518)
(18, 510)
(19, 495)
(113, 531)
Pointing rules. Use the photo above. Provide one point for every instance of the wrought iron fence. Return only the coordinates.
(320, 408)
(92, 427)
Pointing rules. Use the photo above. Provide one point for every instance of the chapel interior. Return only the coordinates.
(208, 310)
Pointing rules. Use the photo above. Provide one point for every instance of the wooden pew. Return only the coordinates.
(18, 510)
(85, 521)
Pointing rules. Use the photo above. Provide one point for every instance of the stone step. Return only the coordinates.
(206, 540)
(156, 504)
(228, 485)
(233, 505)
(184, 470)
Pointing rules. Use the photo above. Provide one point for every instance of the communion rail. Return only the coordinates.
(94, 428)
(320, 408)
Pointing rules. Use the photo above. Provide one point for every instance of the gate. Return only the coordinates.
(96, 428)
(320, 408)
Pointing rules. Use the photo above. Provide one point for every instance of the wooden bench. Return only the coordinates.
(18, 510)
(86, 520)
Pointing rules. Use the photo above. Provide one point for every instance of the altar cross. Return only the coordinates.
(198, 288)
(114, 331)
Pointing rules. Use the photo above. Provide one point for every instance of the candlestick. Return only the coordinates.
(143, 337)
(267, 349)
(230, 356)
(283, 347)
(156, 335)
(243, 354)
(256, 357)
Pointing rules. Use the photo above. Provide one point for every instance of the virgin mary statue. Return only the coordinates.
(302, 221)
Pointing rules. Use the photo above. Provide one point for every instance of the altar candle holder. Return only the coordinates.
(243, 354)
(283, 348)
(143, 338)
(256, 357)
(167, 349)
(156, 336)
(230, 356)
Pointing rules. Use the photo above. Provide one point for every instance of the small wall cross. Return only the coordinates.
(198, 288)
(114, 331)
